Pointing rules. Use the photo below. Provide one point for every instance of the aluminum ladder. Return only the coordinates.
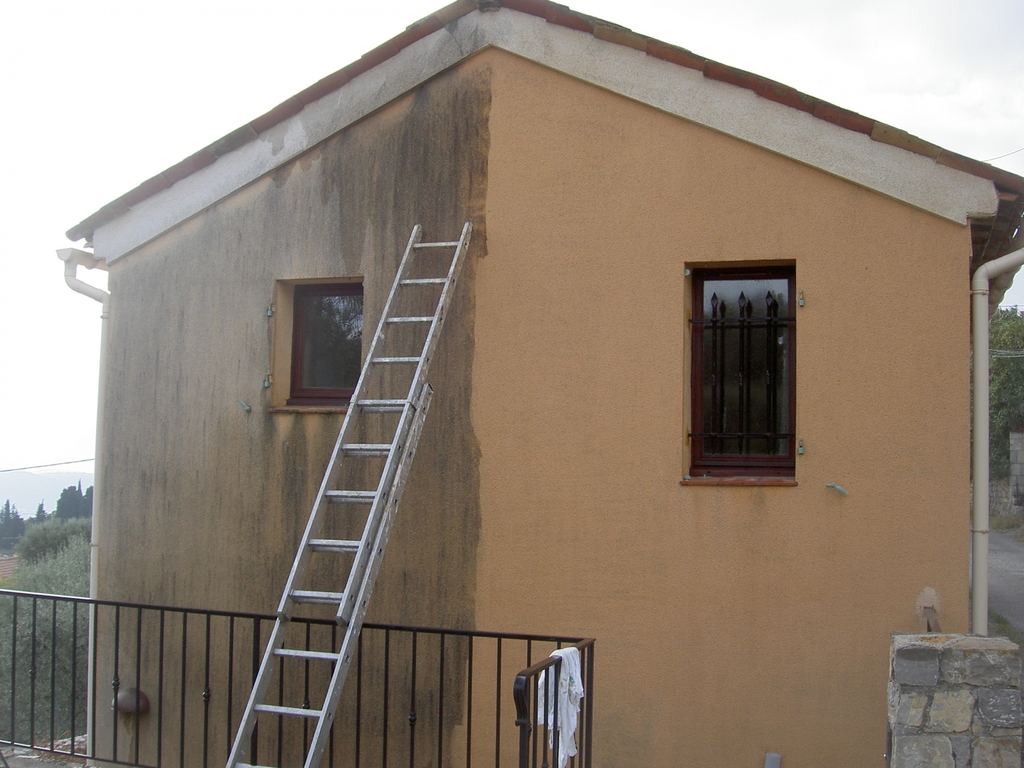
(396, 327)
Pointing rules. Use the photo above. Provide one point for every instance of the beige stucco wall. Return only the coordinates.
(732, 621)
(546, 497)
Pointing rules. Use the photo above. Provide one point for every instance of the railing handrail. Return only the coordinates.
(313, 621)
(521, 695)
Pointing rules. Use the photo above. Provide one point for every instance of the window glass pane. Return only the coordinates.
(746, 352)
(332, 343)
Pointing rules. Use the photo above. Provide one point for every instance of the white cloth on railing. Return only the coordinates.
(570, 691)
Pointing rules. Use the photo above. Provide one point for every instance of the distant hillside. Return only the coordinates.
(26, 489)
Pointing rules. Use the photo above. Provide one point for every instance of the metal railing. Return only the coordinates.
(536, 691)
(164, 687)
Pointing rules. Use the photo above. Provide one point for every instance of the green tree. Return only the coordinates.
(47, 538)
(73, 503)
(1006, 385)
(12, 527)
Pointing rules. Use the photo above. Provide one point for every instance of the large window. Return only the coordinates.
(743, 389)
(327, 340)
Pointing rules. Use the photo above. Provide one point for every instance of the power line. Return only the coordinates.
(43, 466)
(1002, 156)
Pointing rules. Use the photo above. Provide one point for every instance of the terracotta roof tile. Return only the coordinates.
(188, 166)
(455, 10)
(565, 17)
(1009, 181)
(844, 118)
(621, 36)
(897, 138)
(278, 114)
(534, 7)
(675, 55)
(233, 140)
(783, 94)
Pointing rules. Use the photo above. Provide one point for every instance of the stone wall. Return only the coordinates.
(1016, 480)
(954, 702)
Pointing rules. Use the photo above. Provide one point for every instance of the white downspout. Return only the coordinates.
(979, 459)
(72, 258)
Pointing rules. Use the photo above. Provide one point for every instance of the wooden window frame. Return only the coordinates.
(739, 465)
(299, 394)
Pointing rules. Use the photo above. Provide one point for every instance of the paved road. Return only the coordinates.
(1006, 577)
(26, 758)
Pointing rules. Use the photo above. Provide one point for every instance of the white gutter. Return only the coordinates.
(979, 459)
(72, 258)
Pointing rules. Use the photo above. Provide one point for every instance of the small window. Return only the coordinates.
(327, 342)
(744, 377)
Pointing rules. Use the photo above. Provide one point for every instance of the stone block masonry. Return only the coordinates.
(954, 702)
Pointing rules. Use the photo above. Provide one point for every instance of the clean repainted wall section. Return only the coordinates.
(731, 621)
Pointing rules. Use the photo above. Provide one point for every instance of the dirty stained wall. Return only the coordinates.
(207, 501)
(546, 496)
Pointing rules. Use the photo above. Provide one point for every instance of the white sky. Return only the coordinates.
(99, 95)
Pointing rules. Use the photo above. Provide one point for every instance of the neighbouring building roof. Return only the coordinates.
(8, 565)
(994, 226)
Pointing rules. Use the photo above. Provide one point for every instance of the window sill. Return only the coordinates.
(784, 482)
(309, 409)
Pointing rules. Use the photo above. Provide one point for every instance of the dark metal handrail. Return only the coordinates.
(525, 693)
(432, 694)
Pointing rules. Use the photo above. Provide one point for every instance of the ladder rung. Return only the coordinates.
(396, 359)
(437, 245)
(316, 598)
(333, 545)
(249, 765)
(429, 319)
(296, 711)
(367, 449)
(352, 497)
(296, 653)
(382, 406)
(423, 281)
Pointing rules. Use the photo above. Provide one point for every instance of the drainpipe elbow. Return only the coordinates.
(72, 258)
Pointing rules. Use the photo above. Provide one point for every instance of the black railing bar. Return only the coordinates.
(359, 694)
(206, 696)
(14, 666)
(412, 704)
(469, 704)
(94, 617)
(116, 682)
(440, 704)
(324, 622)
(280, 702)
(184, 683)
(387, 675)
(53, 675)
(138, 676)
(588, 705)
(32, 675)
(74, 671)
(305, 698)
(257, 656)
(160, 696)
(231, 683)
(497, 708)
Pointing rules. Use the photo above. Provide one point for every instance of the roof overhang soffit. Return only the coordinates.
(737, 111)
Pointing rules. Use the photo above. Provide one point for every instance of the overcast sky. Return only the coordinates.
(99, 95)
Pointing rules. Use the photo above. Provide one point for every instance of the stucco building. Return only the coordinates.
(620, 445)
